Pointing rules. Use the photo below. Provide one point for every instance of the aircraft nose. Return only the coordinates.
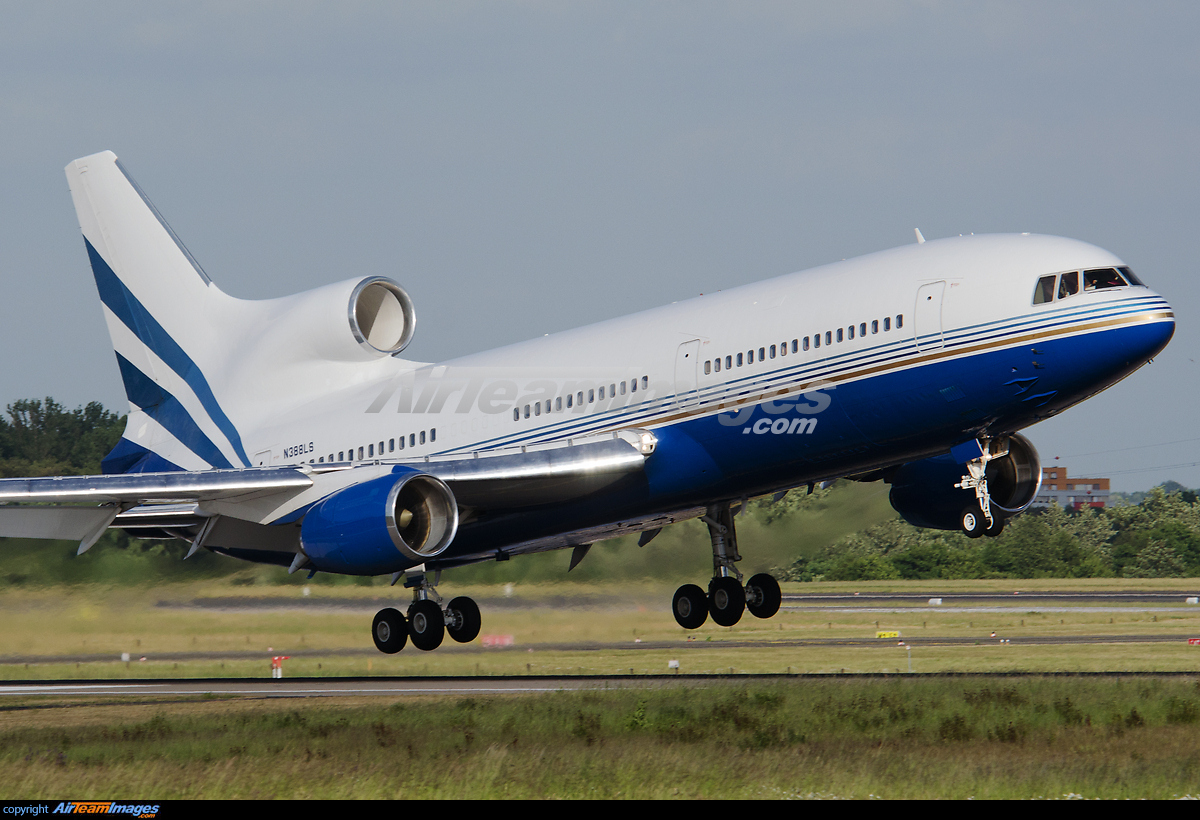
(1159, 331)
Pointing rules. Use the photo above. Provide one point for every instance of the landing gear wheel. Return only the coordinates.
(726, 600)
(390, 631)
(972, 521)
(690, 606)
(996, 527)
(763, 596)
(426, 625)
(464, 622)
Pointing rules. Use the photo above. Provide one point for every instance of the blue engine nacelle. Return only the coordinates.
(383, 525)
(923, 492)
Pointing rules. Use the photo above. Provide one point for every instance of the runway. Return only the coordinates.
(463, 686)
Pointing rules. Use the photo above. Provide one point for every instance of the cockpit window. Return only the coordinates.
(1130, 277)
(1044, 292)
(1102, 278)
(1068, 284)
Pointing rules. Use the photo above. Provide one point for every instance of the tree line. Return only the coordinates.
(1158, 538)
(40, 437)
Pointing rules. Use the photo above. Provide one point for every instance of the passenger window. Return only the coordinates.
(422, 436)
(728, 362)
(360, 453)
(762, 351)
(570, 400)
(828, 337)
(806, 346)
(537, 409)
(432, 435)
(612, 391)
(517, 414)
(862, 329)
(645, 382)
(874, 325)
(592, 396)
(887, 324)
(839, 334)
(402, 437)
(601, 392)
(1044, 292)
(1068, 284)
(899, 321)
(707, 371)
(391, 445)
(817, 340)
(370, 451)
(739, 362)
(851, 329)
(1101, 279)
(342, 457)
(773, 356)
(717, 362)
(558, 403)
(796, 346)
(749, 357)
(381, 448)
(527, 411)
(579, 398)
(623, 383)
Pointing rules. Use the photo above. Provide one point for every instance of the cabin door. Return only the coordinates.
(927, 318)
(687, 374)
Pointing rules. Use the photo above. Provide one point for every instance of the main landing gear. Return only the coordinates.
(980, 518)
(427, 622)
(727, 598)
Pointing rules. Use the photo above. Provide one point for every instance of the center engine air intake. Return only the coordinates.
(382, 316)
(383, 525)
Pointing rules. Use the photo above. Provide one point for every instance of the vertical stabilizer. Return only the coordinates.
(167, 321)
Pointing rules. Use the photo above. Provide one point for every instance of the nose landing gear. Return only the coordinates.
(727, 598)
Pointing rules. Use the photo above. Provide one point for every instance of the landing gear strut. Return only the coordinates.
(980, 518)
(427, 623)
(727, 598)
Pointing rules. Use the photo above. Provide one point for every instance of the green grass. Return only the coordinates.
(80, 632)
(898, 738)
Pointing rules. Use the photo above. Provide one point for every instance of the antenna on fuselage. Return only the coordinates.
(920, 239)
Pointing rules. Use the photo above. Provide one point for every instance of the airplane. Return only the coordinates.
(291, 431)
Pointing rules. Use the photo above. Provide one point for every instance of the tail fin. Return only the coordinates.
(165, 317)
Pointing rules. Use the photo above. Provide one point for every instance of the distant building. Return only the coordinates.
(1071, 492)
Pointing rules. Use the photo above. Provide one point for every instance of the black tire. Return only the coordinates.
(972, 521)
(390, 631)
(763, 596)
(690, 606)
(426, 625)
(726, 600)
(995, 528)
(466, 612)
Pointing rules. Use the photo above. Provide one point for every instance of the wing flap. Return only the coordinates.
(58, 523)
(138, 488)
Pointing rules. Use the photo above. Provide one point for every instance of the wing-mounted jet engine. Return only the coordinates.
(379, 526)
(946, 492)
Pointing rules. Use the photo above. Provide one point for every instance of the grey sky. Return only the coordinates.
(527, 167)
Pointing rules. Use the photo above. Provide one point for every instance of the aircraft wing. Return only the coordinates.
(177, 503)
